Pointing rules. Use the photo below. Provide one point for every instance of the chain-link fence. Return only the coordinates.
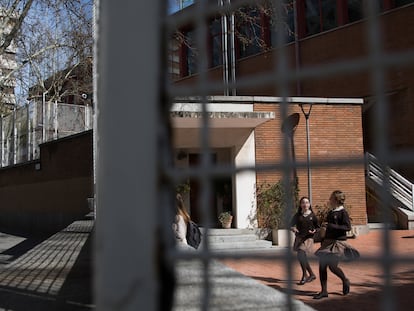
(26, 127)
(135, 256)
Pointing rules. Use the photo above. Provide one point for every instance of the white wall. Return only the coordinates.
(245, 183)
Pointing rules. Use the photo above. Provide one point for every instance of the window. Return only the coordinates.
(215, 28)
(249, 31)
(190, 53)
(329, 14)
(312, 17)
(174, 59)
(321, 15)
(355, 10)
(402, 2)
(288, 26)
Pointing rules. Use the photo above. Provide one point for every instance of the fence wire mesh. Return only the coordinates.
(374, 65)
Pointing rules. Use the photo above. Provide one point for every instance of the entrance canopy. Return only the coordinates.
(231, 118)
(230, 122)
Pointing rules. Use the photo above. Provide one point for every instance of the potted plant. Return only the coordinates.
(183, 188)
(271, 210)
(225, 219)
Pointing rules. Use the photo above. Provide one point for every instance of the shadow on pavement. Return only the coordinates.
(20, 291)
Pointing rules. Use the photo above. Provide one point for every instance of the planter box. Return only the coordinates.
(280, 237)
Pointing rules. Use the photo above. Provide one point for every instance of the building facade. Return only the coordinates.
(316, 34)
(248, 132)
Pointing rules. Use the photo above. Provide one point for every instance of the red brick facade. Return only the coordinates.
(338, 131)
(335, 133)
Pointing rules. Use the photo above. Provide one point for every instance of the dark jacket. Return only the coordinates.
(304, 224)
(338, 224)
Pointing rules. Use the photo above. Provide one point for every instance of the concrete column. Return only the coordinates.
(245, 183)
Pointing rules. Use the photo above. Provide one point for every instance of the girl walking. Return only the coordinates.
(303, 224)
(333, 247)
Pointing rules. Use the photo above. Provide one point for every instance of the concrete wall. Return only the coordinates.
(45, 195)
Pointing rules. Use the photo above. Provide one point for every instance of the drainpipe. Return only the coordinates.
(55, 120)
(28, 132)
(232, 53)
(297, 48)
(224, 43)
(43, 116)
(14, 137)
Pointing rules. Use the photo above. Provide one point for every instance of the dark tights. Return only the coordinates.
(304, 263)
(332, 263)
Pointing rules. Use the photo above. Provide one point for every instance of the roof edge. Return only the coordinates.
(272, 99)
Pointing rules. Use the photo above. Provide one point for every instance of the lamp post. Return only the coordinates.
(307, 114)
(288, 127)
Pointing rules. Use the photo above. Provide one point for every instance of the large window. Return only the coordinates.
(287, 25)
(249, 31)
(190, 53)
(215, 28)
(355, 10)
(321, 15)
(256, 29)
(403, 2)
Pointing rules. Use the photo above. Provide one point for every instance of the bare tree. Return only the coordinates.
(48, 44)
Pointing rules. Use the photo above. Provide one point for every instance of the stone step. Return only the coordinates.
(232, 238)
(256, 244)
(226, 232)
(235, 239)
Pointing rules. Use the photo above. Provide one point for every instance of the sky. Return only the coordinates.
(175, 5)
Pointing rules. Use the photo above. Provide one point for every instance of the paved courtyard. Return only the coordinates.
(366, 276)
(55, 273)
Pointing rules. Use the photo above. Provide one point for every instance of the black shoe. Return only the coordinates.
(302, 281)
(310, 278)
(320, 295)
(345, 287)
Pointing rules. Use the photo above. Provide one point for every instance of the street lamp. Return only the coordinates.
(288, 127)
(307, 114)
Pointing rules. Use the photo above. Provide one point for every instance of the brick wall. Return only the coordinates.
(46, 195)
(328, 140)
(335, 132)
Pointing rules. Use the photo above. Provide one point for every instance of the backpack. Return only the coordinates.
(193, 234)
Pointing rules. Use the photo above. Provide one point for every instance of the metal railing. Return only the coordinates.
(400, 188)
(26, 127)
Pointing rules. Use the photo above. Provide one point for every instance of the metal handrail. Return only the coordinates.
(399, 187)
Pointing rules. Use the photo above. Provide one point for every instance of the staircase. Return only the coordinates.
(235, 240)
(400, 189)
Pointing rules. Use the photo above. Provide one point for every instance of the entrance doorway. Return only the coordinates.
(220, 198)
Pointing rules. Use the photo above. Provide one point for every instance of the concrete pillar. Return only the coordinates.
(127, 90)
(245, 183)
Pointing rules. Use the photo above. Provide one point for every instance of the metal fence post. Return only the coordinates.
(126, 107)
(14, 137)
(28, 157)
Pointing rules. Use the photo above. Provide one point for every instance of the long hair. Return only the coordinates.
(339, 197)
(181, 210)
(300, 203)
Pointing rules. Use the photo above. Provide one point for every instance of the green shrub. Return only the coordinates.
(272, 205)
